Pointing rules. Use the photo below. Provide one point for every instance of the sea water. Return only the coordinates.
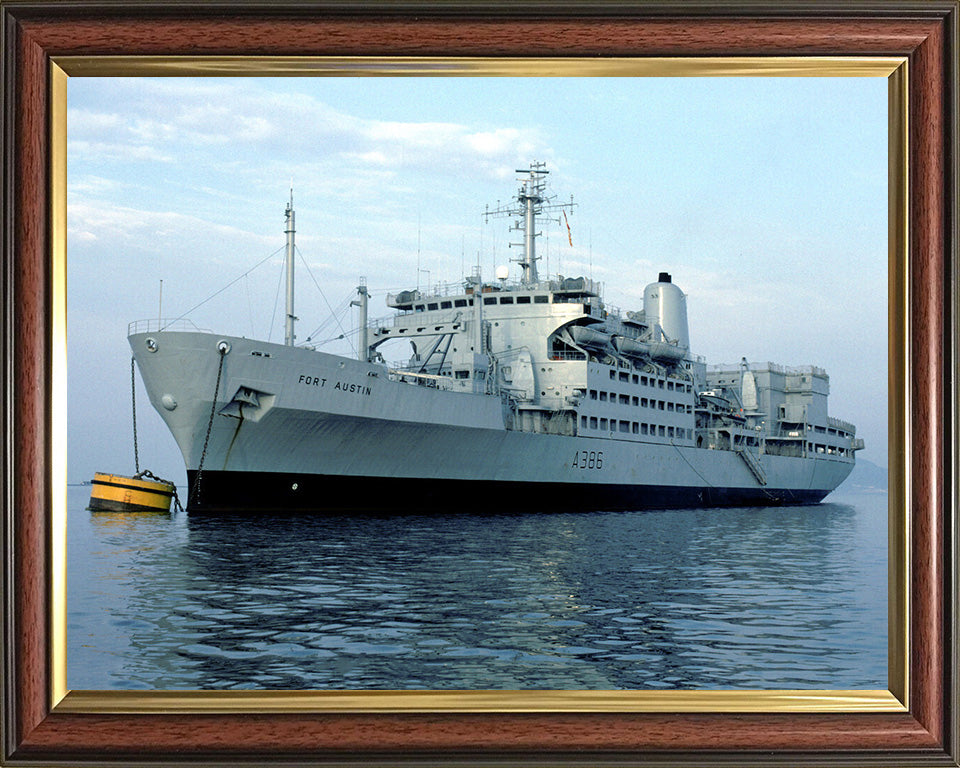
(743, 598)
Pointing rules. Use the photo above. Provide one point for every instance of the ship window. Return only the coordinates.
(489, 299)
(624, 400)
(603, 396)
(661, 430)
(419, 308)
(506, 299)
(643, 402)
(635, 428)
(613, 375)
(446, 304)
(670, 432)
(669, 406)
(660, 404)
(643, 429)
(463, 374)
(625, 426)
(593, 394)
(636, 379)
(624, 376)
(603, 423)
(460, 303)
(583, 422)
(593, 422)
(643, 380)
(434, 305)
(635, 401)
(670, 385)
(523, 299)
(544, 299)
(660, 382)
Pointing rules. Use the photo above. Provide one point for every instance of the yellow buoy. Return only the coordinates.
(116, 493)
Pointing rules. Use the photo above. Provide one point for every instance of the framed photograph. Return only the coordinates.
(48, 717)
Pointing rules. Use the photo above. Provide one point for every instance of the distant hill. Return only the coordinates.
(866, 477)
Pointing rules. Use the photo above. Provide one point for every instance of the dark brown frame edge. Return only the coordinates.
(925, 32)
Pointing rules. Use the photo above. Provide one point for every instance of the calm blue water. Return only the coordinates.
(790, 597)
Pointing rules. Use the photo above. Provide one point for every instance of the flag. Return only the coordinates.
(569, 236)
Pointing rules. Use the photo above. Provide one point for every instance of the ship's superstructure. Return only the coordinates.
(535, 390)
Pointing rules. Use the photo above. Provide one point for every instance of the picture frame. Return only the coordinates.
(915, 721)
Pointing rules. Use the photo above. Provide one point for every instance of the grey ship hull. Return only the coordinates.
(296, 429)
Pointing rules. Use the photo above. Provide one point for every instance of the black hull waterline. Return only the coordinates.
(245, 492)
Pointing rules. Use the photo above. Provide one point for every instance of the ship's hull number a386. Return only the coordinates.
(587, 460)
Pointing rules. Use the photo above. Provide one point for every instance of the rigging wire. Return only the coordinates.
(323, 296)
(339, 311)
(246, 288)
(276, 301)
(214, 295)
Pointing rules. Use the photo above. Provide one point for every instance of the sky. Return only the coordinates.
(765, 198)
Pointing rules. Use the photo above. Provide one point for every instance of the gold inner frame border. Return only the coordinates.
(895, 699)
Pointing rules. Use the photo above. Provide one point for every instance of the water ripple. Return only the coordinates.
(741, 598)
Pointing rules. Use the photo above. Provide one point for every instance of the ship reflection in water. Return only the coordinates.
(790, 597)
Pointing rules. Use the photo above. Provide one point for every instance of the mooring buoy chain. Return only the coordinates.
(133, 402)
(146, 473)
(222, 348)
(136, 451)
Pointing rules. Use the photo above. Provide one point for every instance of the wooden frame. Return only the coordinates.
(36, 730)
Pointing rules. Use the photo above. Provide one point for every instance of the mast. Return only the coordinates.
(531, 201)
(530, 198)
(288, 261)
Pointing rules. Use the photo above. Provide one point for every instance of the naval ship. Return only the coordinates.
(532, 392)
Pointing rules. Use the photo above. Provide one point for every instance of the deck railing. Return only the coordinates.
(157, 324)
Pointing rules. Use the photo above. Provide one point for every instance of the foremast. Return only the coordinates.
(288, 335)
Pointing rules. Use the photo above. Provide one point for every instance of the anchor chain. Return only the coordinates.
(222, 348)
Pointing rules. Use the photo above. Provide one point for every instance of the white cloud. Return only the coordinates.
(123, 151)
(170, 121)
(150, 231)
